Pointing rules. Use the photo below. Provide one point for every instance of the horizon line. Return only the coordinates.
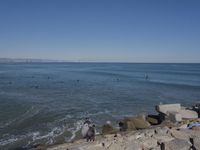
(40, 60)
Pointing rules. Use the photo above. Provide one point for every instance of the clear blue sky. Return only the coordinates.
(101, 30)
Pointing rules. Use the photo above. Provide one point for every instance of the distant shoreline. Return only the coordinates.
(35, 60)
(91, 63)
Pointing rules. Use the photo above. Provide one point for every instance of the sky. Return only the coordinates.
(101, 30)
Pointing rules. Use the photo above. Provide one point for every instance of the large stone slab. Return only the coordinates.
(174, 117)
(148, 142)
(188, 114)
(196, 142)
(115, 146)
(164, 108)
(179, 134)
(164, 138)
(177, 144)
(191, 133)
(133, 146)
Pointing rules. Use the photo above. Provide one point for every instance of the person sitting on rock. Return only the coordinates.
(90, 136)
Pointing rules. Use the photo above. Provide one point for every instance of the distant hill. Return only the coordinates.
(24, 60)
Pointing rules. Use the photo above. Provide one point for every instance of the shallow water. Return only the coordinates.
(47, 102)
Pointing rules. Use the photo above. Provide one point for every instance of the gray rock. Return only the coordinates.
(188, 114)
(163, 138)
(153, 119)
(174, 117)
(197, 128)
(177, 144)
(148, 142)
(75, 148)
(130, 125)
(127, 124)
(142, 116)
(115, 146)
(196, 142)
(140, 123)
(149, 132)
(155, 148)
(162, 131)
(191, 133)
(169, 124)
(134, 123)
(180, 134)
(133, 146)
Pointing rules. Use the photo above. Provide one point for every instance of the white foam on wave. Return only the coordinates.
(56, 131)
(34, 136)
(65, 118)
(77, 127)
(90, 115)
(48, 137)
(8, 141)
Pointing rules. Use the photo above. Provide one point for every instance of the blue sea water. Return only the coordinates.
(47, 102)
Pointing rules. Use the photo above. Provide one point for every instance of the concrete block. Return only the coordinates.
(174, 117)
(188, 114)
(164, 108)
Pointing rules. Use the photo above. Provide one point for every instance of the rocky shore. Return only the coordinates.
(159, 138)
(174, 128)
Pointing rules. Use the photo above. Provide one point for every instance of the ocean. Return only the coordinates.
(48, 102)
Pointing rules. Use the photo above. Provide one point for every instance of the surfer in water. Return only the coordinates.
(146, 76)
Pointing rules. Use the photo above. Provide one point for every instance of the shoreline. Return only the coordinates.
(172, 133)
(146, 139)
